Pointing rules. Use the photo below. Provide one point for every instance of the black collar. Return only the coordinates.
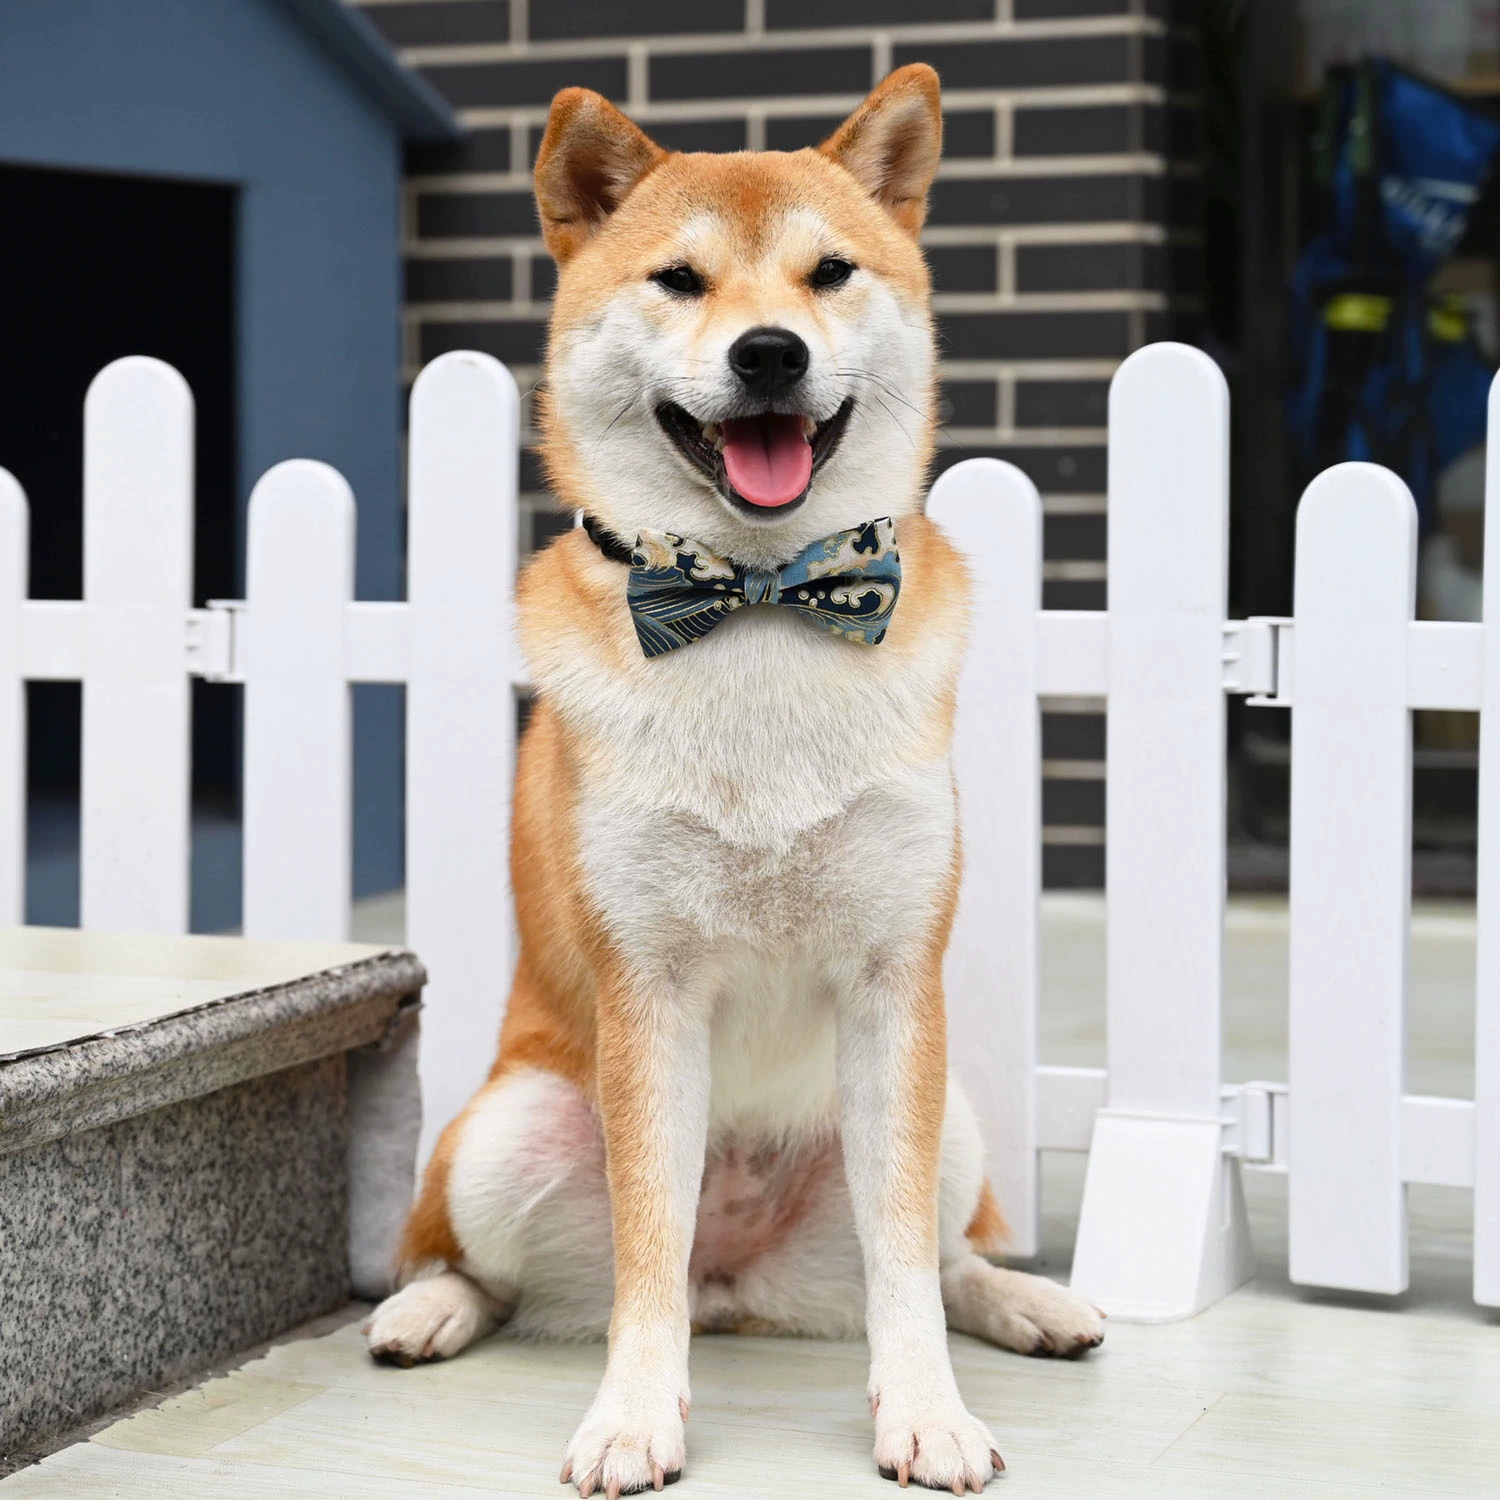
(606, 541)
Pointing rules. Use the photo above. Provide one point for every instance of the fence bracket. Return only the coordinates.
(215, 641)
(1255, 1120)
(1258, 659)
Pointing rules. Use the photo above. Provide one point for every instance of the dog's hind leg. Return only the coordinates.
(512, 1224)
(433, 1317)
(1014, 1309)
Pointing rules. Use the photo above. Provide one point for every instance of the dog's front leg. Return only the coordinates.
(892, 1074)
(653, 1048)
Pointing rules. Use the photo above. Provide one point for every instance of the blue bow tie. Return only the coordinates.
(847, 583)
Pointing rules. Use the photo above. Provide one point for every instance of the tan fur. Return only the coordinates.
(693, 840)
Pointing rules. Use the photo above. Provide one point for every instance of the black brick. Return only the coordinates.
(1155, 60)
(761, 73)
(552, 19)
(967, 133)
(1091, 131)
(1073, 736)
(1089, 199)
(1185, 269)
(793, 14)
(1075, 593)
(543, 277)
(1179, 133)
(1035, 335)
(514, 342)
(1073, 867)
(968, 403)
(1025, 62)
(479, 151)
(468, 280)
(963, 268)
(1079, 804)
(475, 215)
(446, 24)
(507, 84)
(1051, 470)
(1090, 268)
(1062, 403)
(1045, 10)
(532, 480)
(1157, 326)
(682, 135)
(1183, 61)
(700, 135)
(548, 523)
(793, 132)
(1183, 199)
(1074, 537)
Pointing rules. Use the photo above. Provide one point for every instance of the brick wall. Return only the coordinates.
(1061, 233)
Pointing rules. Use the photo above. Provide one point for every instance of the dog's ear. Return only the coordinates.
(892, 142)
(591, 157)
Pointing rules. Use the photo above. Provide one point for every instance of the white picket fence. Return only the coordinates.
(1163, 1230)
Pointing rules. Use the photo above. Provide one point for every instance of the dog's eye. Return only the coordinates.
(683, 280)
(831, 272)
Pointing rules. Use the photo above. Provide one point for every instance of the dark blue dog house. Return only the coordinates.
(217, 183)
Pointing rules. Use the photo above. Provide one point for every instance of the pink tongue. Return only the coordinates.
(767, 459)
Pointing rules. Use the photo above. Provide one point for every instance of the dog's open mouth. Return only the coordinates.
(758, 463)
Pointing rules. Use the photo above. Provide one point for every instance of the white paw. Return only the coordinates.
(1045, 1318)
(1019, 1311)
(629, 1441)
(429, 1319)
(934, 1442)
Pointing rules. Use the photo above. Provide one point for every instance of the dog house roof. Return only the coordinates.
(406, 98)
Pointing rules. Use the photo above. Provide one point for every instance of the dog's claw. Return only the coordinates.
(658, 1477)
(612, 1491)
(684, 1406)
(998, 1462)
(586, 1488)
(567, 1472)
(903, 1474)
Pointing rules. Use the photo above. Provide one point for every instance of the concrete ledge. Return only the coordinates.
(176, 1189)
(94, 1081)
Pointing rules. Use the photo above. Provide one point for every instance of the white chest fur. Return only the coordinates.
(760, 811)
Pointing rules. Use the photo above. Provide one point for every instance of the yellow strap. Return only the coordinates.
(1358, 312)
(1446, 320)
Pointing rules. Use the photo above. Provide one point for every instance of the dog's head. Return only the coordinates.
(741, 347)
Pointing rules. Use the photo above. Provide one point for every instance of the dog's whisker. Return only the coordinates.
(629, 402)
(900, 426)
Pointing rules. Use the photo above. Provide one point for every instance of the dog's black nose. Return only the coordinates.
(768, 360)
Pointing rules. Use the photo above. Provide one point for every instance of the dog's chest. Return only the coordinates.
(769, 787)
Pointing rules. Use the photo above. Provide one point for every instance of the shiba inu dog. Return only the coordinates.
(721, 1099)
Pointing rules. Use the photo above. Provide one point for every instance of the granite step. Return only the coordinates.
(203, 1142)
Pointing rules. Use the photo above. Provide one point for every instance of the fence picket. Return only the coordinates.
(297, 800)
(137, 587)
(14, 545)
(1354, 592)
(1163, 1231)
(993, 513)
(1487, 907)
(461, 717)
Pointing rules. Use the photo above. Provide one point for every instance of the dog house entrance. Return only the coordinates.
(96, 267)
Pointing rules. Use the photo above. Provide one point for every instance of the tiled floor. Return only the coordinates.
(1272, 1393)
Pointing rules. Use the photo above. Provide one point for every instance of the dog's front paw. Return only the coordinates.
(936, 1443)
(627, 1442)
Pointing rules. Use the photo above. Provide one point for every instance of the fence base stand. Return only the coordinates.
(1163, 1232)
